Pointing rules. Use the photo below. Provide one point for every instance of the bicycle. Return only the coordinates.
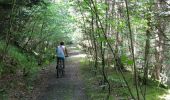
(60, 68)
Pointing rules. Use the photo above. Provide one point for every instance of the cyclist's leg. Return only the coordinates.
(63, 72)
(60, 67)
(63, 61)
(57, 67)
(56, 62)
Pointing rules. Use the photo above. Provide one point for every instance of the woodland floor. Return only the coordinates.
(69, 87)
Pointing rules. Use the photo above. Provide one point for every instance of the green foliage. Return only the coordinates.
(135, 31)
(95, 92)
(35, 28)
(125, 60)
(17, 61)
(3, 94)
(38, 29)
(1, 68)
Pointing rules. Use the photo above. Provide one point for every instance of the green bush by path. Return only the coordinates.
(18, 70)
(17, 61)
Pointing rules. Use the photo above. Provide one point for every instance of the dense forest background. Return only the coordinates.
(128, 35)
(125, 37)
(30, 30)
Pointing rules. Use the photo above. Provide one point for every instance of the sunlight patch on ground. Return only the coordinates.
(72, 47)
(79, 55)
(166, 96)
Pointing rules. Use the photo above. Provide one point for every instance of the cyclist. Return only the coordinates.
(61, 52)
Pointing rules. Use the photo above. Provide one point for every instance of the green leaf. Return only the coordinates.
(130, 62)
(126, 60)
(101, 39)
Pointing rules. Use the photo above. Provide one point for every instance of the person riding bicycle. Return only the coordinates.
(61, 52)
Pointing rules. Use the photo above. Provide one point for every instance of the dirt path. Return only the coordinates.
(70, 87)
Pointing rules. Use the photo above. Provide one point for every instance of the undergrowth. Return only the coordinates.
(17, 62)
(18, 70)
(97, 91)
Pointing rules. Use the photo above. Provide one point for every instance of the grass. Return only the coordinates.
(18, 61)
(119, 89)
(19, 69)
(11, 70)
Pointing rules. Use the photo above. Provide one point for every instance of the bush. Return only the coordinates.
(16, 60)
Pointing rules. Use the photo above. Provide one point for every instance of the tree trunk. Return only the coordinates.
(147, 50)
(159, 42)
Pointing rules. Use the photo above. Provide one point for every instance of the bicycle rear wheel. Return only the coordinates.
(60, 69)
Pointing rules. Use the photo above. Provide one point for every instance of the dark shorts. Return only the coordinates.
(60, 58)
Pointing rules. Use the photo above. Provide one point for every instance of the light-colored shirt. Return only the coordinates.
(60, 51)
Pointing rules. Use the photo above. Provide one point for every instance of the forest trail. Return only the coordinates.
(70, 87)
